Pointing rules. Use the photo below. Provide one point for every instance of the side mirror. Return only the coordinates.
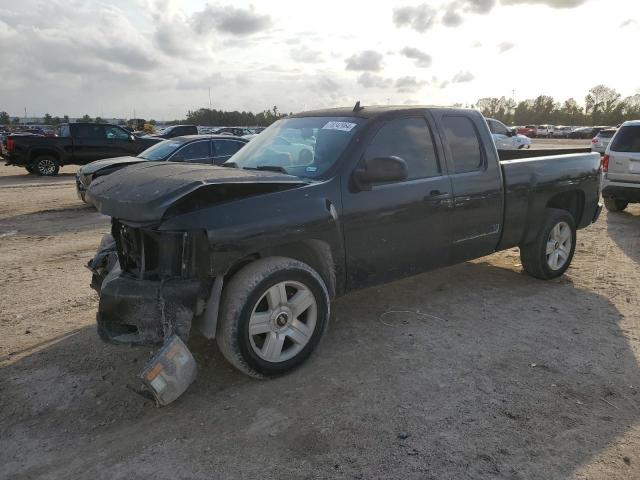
(177, 158)
(132, 137)
(380, 169)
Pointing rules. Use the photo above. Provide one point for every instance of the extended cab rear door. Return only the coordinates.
(400, 228)
(476, 179)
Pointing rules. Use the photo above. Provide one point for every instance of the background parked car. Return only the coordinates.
(236, 131)
(506, 138)
(178, 131)
(527, 131)
(600, 142)
(621, 168)
(209, 149)
(561, 131)
(544, 131)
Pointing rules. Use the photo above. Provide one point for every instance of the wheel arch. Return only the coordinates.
(39, 152)
(572, 201)
(315, 253)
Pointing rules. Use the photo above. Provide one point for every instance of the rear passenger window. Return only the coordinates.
(627, 139)
(226, 148)
(194, 151)
(464, 144)
(409, 139)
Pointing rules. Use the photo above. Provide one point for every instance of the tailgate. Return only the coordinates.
(624, 167)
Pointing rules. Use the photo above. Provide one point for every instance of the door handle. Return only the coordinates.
(437, 197)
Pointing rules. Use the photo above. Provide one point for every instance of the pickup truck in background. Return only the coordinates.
(253, 253)
(76, 144)
(507, 138)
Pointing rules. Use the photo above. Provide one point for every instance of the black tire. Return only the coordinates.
(534, 256)
(615, 205)
(45, 166)
(244, 293)
(30, 169)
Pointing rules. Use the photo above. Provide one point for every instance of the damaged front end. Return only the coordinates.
(151, 287)
(150, 283)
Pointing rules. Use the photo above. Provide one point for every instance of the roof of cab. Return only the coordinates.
(373, 111)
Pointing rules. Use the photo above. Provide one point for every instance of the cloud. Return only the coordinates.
(627, 23)
(371, 80)
(422, 59)
(462, 77)
(409, 84)
(305, 55)
(229, 20)
(452, 18)
(421, 18)
(479, 6)
(549, 3)
(505, 46)
(367, 60)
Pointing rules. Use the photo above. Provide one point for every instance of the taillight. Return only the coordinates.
(10, 144)
(594, 140)
(604, 163)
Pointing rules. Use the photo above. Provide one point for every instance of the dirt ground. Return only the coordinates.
(488, 373)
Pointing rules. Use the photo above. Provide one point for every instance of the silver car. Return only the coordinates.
(621, 168)
(600, 142)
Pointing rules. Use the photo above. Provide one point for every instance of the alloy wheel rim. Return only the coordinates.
(282, 322)
(46, 166)
(558, 246)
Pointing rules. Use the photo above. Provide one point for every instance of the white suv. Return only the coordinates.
(621, 168)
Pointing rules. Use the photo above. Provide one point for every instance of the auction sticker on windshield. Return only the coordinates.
(344, 126)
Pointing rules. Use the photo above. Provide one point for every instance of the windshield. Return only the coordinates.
(305, 147)
(161, 150)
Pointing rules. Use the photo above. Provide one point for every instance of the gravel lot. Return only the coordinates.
(498, 375)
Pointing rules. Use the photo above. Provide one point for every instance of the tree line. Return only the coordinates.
(202, 116)
(206, 116)
(602, 106)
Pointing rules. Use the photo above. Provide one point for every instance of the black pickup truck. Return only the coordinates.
(252, 253)
(75, 144)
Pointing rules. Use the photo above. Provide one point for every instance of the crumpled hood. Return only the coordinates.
(143, 192)
(93, 167)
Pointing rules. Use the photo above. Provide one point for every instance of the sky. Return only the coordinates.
(160, 58)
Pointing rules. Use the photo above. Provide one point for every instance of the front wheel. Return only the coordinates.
(550, 254)
(615, 205)
(274, 312)
(45, 166)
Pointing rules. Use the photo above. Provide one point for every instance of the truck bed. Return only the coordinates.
(532, 183)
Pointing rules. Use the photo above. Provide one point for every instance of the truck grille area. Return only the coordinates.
(149, 254)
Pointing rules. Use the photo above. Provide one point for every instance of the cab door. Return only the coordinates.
(119, 142)
(476, 178)
(401, 228)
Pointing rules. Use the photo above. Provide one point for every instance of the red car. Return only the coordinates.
(527, 130)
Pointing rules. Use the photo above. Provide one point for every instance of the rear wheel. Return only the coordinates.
(46, 166)
(615, 205)
(550, 254)
(274, 312)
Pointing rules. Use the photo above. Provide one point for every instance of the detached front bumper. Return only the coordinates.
(145, 312)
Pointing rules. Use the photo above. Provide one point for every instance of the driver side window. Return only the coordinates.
(115, 133)
(410, 139)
